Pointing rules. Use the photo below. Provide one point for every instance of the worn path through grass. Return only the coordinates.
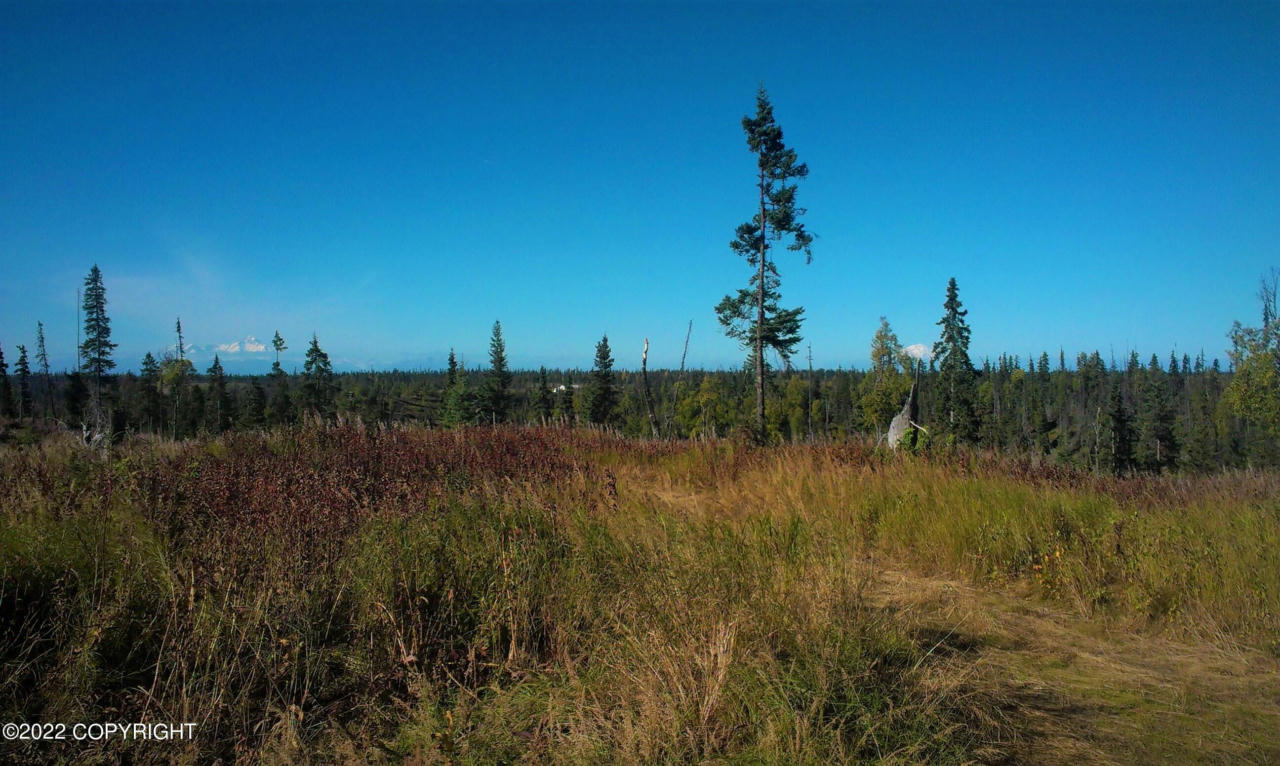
(1085, 694)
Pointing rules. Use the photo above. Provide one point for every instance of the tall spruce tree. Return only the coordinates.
(220, 415)
(451, 372)
(317, 380)
(95, 351)
(46, 383)
(602, 391)
(277, 343)
(957, 380)
(150, 381)
(542, 398)
(753, 317)
(174, 373)
(497, 395)
(280, 408)
(23, 370)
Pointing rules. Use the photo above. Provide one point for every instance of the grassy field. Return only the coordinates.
(479, 596)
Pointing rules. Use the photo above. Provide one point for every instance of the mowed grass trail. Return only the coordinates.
(1087, 693)
(343, 594)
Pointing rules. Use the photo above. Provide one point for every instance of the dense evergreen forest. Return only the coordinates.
(1174, 413)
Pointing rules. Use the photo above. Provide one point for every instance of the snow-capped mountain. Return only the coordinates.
(918, 351)
(248, 345)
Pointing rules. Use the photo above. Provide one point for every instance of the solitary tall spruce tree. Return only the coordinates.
(23, 370)
(42, 359)
(602, 394)
(498, 381)
(219, 415)
(957, 380)
(542, 398)
(753, 316)
(96, 350)
(150, 379)
(280, 407)
(317, 380)
(277, 343)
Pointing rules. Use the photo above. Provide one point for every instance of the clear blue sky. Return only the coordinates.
(395, 178)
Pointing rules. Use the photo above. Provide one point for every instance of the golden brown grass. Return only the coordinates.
(341, 594)
(1199, 556)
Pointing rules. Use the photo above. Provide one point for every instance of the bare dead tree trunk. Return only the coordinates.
(808, 410)
(648, 400)
(671, 415)
(684, 354)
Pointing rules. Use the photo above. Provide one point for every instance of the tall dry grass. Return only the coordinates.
(478, 596)
(490, 595)
(1198, 555)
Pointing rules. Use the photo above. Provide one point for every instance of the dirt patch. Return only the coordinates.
(1081, 693)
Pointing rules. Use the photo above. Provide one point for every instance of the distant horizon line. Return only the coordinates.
(1026, 364)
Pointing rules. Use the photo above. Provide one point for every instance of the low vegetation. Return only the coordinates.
(490, 595)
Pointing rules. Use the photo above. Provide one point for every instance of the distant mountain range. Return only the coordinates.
(250, 345)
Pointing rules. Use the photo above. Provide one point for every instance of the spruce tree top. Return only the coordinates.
(42, 354)
(604, 357)
(317, 361)
(498, 357)
(277, 343)
(97, 346)
(451, 373)
(602, 397)
(954, 343)
(498, 379)
(754, 316)
(777, 165)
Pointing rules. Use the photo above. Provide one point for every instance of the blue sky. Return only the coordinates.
(396, 177)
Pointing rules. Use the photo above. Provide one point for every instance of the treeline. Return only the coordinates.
(1155, 414)
(1146, 415)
